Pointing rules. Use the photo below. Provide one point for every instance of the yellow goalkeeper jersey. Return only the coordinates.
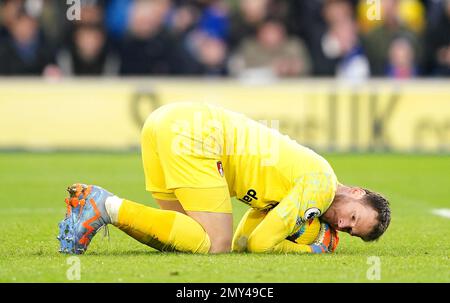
(263, 167)
(203, 146)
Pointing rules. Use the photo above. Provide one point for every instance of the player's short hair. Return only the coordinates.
(381, 205)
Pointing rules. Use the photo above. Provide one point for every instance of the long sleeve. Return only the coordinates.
(310, 197)
(326, 242)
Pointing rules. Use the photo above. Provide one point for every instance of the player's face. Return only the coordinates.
(352, 216)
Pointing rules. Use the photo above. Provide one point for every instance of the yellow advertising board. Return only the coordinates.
(326, 115)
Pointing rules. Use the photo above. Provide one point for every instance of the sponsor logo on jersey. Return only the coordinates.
(249, 197)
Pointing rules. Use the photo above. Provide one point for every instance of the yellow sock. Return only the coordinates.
(162, 229)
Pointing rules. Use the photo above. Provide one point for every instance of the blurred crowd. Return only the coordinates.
(347, 39)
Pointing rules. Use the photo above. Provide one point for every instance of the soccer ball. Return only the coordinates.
(318, 235)
(306, 232)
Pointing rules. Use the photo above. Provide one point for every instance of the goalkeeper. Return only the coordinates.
(195, 158)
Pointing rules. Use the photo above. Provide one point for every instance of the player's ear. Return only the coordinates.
(357, 192)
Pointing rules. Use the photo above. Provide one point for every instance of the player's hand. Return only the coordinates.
(327, 241)
(334, 240)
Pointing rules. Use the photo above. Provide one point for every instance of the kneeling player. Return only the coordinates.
(197, 156)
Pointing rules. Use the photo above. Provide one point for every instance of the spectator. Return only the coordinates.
(208, 55)
(117, 14)
(182, 20)
(401, 59)
(214, 20)
(246, 20)
(9, 11)
(352, 62)
(205, 40)
(340, 43)
(196, 37)
(88, 53)
(53, 20)
(438, 42)
(305, 19)
(316, 21)
(274, 51)
(92, 12)
(148, 47)
(25, 52)
(378, 41)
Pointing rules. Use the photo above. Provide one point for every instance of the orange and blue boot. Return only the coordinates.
(86, 214)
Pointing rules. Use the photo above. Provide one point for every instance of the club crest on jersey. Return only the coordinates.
(311, 213)
(220, 168)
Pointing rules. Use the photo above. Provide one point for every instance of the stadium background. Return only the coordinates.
(372, 95)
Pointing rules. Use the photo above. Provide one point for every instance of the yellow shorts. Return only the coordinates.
(182, 147)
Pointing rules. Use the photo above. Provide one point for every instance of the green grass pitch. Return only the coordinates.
(416, 248)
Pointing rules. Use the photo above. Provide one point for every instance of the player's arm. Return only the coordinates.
(310, 197)
(316, 236)
(326, 242)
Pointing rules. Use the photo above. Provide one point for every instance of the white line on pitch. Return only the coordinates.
(442, 212)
